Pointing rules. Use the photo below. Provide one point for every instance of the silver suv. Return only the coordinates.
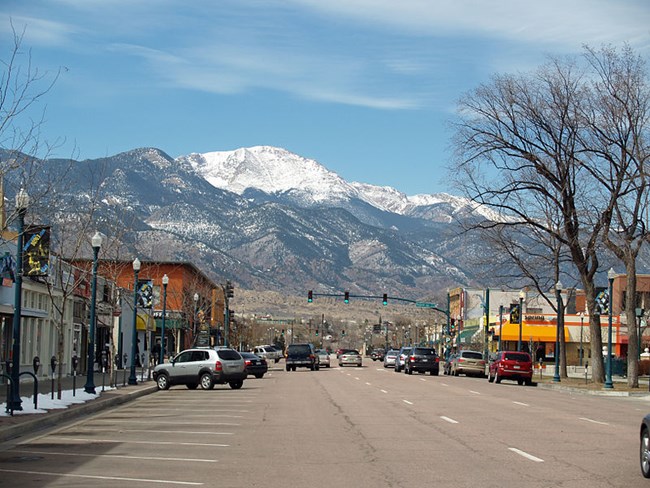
(202, 366)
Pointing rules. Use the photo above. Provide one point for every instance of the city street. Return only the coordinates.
(352, 427)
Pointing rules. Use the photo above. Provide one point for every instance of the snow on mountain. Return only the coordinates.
(277, 171)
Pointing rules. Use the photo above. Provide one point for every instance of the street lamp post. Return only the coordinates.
(560, 312)
(582, 323)
(89, 387)
(165, 282)
(611, 274)
(522, 296)
(196, 318)
(500, 325)
(134, 337)
(15, 403)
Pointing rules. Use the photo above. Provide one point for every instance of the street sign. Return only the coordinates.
(426, 305)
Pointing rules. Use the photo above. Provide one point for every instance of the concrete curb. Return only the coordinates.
(609, 393)
(49, 419)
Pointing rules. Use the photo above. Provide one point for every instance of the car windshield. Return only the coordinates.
(424, 352)
(352, 351)
(472, 355)
(516, 356)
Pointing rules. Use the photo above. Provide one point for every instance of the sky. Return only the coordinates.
(368, 88)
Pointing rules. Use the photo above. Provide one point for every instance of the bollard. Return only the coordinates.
(124, 369)
(104, 366)
(142, 356)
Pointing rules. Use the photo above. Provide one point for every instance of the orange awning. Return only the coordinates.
(538, 333)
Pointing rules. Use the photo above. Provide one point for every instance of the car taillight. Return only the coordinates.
(461, 360)
(437, 360)
(248, 362)
(218, 366)
(412, 358)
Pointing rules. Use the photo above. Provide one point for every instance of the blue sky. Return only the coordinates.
(365, 87)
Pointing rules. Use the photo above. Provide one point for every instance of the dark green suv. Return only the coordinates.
(301, 356)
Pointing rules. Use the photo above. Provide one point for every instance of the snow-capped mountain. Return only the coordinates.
(269, 219)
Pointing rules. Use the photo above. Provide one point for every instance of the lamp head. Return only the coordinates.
(96, 240)
(611, 274)
(196, 297)
(522, 294)
(136, 264)
(558, 286)
(165, 279)
(22, 200)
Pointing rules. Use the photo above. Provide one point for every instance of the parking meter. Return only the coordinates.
(126, 357)
(36, 363)
(75, 363)
(8, 366)
(104, 360)
(53, 363)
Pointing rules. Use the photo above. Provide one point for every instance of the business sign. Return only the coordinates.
(145, 293)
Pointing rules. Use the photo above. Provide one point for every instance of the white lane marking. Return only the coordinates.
(521, 403)
(383, 391)
(475, 392)
(146, 458)
(444, 384)
(406, 401)
(422, 379)
(447, 419)
(156, 431)
(95, 421)
(87, 476)
(381, 369)
(368, 384)
(526, 455)
(356, 378)
(113, 441)
(593, 421)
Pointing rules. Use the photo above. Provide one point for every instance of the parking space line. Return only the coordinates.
(447, 419)
(422, 379)
(474, 392)
(406, 401)
(593, 421)
(383, 391)
(526, 455)
(94, 477)
(368, 384)
(121, 441)
(444, 384)
(118, 456)
(521, 403)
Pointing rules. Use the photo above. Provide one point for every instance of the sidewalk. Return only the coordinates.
(22, 423)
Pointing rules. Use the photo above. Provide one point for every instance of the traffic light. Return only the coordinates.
(452, 326)
(310, 296)
(316, 331)
(229, 289)
(343, 332)
(385, 299)
(346, 297)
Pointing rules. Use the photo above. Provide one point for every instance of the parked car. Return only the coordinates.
(323, 358)
(401, 358)
(268, 352)
(202, 366)
(389, 358)
(341, 351)
(352, 357)
(377, 354)
(301, 356)
(644, 447)
(469, 363)
(255, 365)
(446, 369)
(511, 365)
(421, 360)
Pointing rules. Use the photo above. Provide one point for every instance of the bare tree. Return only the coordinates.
(518, 148)
(618, 136)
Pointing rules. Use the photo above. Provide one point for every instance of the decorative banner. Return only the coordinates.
(145, 293)
(7, 269)
(602, 301)
(515, 316)
(36, 251)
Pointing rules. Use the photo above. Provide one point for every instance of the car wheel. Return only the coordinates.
(644, 453)
(258, 376)
(490, 378)
(206, 381)
(497, 378)
(192, 386)
(520, 382)
(236, 385)
(288, 367)
(358, 365)
(529, 382)
(293, 368)
(408, 371)
(317, 367)
(162, 382)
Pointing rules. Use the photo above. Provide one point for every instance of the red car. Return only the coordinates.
(511, 365)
